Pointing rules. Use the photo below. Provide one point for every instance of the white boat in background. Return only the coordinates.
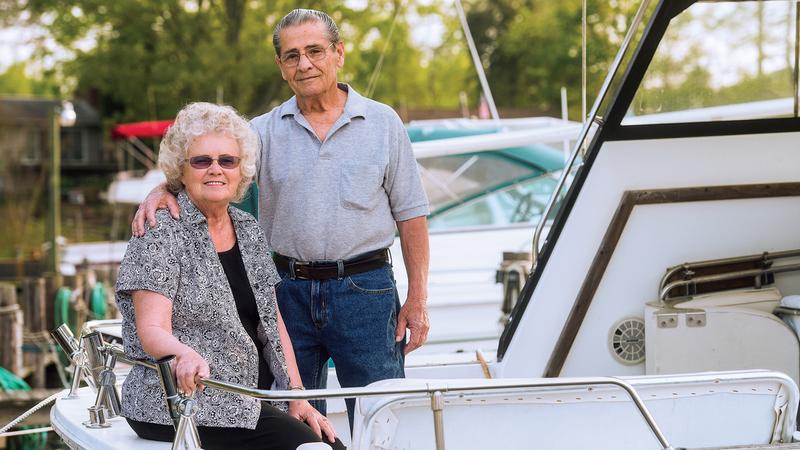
(130, 189)
(672, 263)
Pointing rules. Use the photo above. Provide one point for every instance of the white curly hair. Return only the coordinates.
(198, 119)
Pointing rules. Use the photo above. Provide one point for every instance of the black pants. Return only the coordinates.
(275, 430)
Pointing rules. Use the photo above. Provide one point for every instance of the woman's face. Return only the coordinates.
(216, 184)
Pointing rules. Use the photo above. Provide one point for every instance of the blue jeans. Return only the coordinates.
(351, 320)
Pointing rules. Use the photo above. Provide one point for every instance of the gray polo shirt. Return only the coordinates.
(338, 198)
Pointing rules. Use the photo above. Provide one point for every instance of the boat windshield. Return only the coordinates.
(694, 75)
(452, 180)
(694, 78)
(521, 202)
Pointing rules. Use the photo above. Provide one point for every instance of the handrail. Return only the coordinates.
(432, 389)
(766, 257)
(726, 276)
(435, 390)
(615, 65)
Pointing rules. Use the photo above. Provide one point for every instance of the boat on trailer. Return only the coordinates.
(661, 308)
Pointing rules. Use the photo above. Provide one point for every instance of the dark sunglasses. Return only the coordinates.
(205, 161)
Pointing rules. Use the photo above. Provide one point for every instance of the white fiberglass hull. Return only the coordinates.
(719, 410)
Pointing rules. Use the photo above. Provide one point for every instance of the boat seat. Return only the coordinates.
(714, 409)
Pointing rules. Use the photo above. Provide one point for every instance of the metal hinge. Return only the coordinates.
(696, 319)
(667, 320)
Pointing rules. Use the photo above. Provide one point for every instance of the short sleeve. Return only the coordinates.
(151, 261)
(407, 196)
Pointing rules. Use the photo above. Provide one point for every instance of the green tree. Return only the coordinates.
(540, 51)
(384, 61)
(16, 81)
(490, 20)
(150, 57)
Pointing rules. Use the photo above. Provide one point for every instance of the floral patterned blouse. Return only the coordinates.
(177, 259)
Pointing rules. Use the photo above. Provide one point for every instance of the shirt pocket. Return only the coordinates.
(360, 186)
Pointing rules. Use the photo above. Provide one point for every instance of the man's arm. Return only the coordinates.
(158, 198)
(416, 255)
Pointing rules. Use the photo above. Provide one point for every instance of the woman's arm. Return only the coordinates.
(301, 409)
(153, 313)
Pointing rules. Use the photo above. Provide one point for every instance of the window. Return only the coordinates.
(693, 76)
(74, 145)
(522, 202)
(454, 178)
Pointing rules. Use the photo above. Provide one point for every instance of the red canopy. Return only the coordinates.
(141, 129)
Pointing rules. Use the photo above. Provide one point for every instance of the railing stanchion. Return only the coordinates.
(167, 379)
(79, 371)
(95, 362)
(70, 346)
(181, 409)
(437, 405)
(77, 355)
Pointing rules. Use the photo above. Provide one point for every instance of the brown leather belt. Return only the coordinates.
(324, 270)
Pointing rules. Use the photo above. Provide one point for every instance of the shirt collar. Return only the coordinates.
(355, 106)
(188, 210)
(193, 215)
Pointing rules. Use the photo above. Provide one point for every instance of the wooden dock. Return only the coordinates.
(25, 321)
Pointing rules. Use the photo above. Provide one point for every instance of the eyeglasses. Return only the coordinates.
(205, 161)
(314, 54)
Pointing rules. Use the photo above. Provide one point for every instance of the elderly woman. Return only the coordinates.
(202, 288)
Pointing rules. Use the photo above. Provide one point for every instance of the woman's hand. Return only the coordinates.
(304, 412)
(189, 368)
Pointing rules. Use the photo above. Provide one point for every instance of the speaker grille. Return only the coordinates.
(627, 341)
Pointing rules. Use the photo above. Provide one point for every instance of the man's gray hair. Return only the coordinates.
(299, 17)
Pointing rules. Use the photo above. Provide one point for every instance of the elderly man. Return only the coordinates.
(336, 176)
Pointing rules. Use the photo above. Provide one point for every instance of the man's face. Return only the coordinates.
(309, 78)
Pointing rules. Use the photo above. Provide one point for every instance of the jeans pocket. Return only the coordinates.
(374, 282)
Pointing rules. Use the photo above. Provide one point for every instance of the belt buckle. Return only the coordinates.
(296, 269)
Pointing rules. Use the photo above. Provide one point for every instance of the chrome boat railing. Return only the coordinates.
(766, 262)
(97, 370)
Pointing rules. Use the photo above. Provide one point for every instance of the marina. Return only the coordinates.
(631, 282)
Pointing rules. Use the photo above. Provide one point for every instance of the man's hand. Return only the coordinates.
(414, 316)
(158, 198)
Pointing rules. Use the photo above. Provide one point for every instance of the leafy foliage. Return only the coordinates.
(15, 81)
(150, 57)
(539, 51)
